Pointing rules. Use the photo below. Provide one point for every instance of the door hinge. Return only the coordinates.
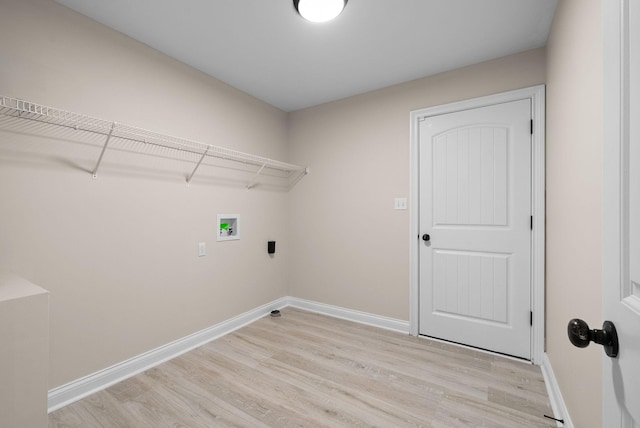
(531, 318)
(531, 222)
(531, 126)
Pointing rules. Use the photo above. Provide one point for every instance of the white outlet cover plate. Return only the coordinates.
(400, 203)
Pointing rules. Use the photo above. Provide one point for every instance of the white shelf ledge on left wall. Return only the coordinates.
(147, 142)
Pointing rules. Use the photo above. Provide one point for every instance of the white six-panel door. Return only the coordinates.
(475, 205)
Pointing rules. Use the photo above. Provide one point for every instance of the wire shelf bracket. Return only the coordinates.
(255, 177)
(104, 149)
(198, 165)
(147, 140)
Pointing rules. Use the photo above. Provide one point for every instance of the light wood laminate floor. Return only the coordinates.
(309, 370)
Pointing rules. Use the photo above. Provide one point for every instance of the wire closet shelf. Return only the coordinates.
(112, 131)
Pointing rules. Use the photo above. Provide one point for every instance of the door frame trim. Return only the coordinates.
(537, 96)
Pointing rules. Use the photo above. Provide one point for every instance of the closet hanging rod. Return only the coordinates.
(48, 115)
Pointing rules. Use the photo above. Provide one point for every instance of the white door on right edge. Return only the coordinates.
(621, 213)
(475, 226)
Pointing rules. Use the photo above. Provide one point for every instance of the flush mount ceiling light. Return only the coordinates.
(319, 10)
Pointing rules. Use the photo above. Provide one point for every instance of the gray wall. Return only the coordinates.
(574, 202)
(351, 248)
(119, 253)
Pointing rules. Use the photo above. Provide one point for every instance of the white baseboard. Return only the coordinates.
(555, 396)
(80, 388)
(350, 315)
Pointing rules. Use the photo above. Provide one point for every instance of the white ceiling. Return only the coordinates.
(264, 48)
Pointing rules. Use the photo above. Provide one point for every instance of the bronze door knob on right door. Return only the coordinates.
(580, 335)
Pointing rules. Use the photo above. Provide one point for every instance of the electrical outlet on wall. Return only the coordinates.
(400, 203)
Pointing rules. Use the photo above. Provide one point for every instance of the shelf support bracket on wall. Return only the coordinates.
(298, 178)
(198, 164)
(104, 148)
(252, 183)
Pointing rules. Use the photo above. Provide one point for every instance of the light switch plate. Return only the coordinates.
(400, 204)
(202, 249)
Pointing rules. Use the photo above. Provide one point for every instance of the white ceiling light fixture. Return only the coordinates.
(319, 10)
